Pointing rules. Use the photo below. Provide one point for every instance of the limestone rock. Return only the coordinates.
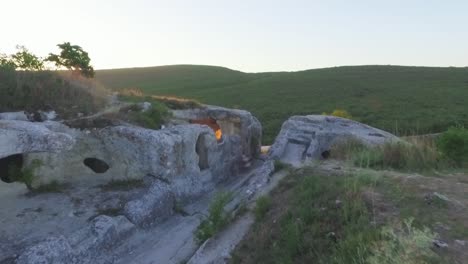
(232, 122)
(54, 250)
(304, 138)
(18, 137)
(152, 207)
(21, 116)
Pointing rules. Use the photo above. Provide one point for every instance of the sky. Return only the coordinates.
(246, 35)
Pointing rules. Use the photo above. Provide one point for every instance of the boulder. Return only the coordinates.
(154, 206)
(21, 116)
(304, 138)
(54, 250)
(18, 137)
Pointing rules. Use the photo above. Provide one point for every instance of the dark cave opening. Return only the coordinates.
(96, 165)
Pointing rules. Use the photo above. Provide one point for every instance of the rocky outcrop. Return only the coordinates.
(84, 246)
(18, 137)
(183, 161)
(21, 116)
(304, 138)
(232, 122)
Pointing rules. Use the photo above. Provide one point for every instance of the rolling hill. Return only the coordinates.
(399, 99)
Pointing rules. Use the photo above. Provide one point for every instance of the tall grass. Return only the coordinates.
(325, 219)
(45, 90)
(217, 218)
(412, 155)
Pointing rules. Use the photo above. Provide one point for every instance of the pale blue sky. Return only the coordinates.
(252, 36)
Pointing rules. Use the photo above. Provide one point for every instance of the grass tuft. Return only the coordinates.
(217, 218)
(262, 207)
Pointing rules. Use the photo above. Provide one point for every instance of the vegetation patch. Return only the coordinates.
(171, 102)
(279, 165)
(52, 187)
(438, 95)
(325, 219)
(152, 118)
(217, 218)
(454, 145)
(262, 207)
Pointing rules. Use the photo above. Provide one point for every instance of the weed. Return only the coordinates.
(217, 218)
(279, 165)
(52, 187)
(403, 244)
(263, 204)
(179, 209)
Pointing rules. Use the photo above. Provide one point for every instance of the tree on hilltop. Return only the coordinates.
(74, 58)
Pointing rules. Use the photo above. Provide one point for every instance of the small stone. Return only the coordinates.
(441, 196)
(439, 243)
(338, 203)
(460, 242)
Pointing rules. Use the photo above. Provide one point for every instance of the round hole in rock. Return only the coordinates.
(96, 165)
(326, 154)
(10, 168)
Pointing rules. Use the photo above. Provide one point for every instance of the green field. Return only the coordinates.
(403, 100)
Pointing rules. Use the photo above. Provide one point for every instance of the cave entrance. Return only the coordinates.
(96, 165)
(10, 168)
(202, 151)
(212, 124)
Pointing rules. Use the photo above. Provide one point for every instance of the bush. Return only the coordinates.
(152, 118)
(454, 145)
(217, 218)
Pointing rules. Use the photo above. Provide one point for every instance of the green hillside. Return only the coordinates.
(404, 100)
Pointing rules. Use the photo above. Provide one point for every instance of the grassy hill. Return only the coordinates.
(403, 100)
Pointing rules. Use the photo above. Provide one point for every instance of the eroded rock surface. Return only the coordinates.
(27, 137)
(304, 138)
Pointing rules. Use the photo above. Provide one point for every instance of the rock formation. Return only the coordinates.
(305, 138)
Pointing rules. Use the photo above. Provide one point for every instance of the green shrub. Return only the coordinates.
(152, 118)
(454, 145)
(217, 218)
(263, 204)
